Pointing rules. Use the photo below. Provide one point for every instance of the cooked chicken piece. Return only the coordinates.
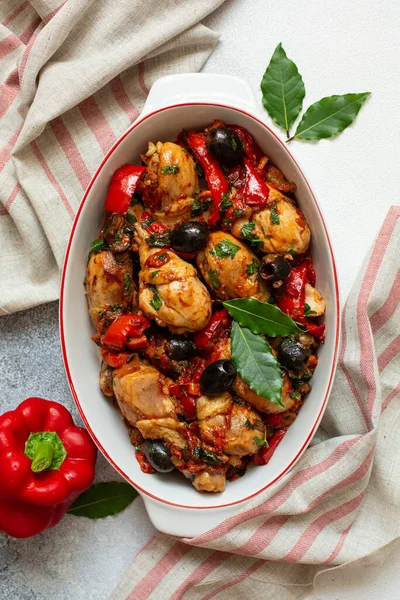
(315, 301)
(170, 181)
(279, 228)
(163, 429)
(209, 482)
(143, 394)
(245, 425)
(106, 283)
(172, 294)
(227, 425)
(230, 268)
(262, 404)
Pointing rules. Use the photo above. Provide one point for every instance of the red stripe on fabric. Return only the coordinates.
(26, 54)
(3, 213)
(6, 150)
(388, 354)
(151, 580)
(141, 72)
(12, 197)
(280, 497)
(15, 13)
(29, 31)
(264, 535)
(97, 123)
(52, 179)
(307, 539)
(391, 397)
(71, 151)
(364, 327)
(237, 580)
(386, 311)
(209, 565)
(9, 44)
(8, 92)
(117, 88)
(350, 383)
(338, 546)
(49, 17)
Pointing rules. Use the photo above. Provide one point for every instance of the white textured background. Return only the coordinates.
(339, 46)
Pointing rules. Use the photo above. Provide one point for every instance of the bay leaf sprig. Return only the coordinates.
(261, 317)
(103, 500)
(282, 96)
(256, 363)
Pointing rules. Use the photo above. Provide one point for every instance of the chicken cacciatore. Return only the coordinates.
(201, 289)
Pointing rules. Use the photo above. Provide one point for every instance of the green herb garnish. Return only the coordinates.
(291, 252)
(158, 240)
(156, 301)
(127, 284)
(253, 267)
(308, 311)
(130, 218)
(225, 249)
(248, 424)
(97, 246)
(247, 233)
(213, 275)
(199, 207)
(261, 317)
(261, 442)
(275, 220)
(155, 273)
(170, 170)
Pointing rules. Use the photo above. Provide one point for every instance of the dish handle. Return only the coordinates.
(186, 522)
(199, 87)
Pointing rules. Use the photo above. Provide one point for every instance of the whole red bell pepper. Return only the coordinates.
(124, 331)
(265, 453)
(293, 300)
(122, 187)
(216, 180)
(46, 462)
(255, 191)
(206, 338)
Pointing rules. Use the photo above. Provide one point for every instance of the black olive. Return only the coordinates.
(292, 354)
(274, 268)
(189, 237)
(179, 348)
(158, 455)
(225, 144)
(218, 377)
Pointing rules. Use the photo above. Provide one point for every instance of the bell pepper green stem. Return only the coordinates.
(43, 457)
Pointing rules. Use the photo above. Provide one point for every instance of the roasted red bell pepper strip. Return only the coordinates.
(187, 402)
(293, 300)
(204, 340)
(255, 191)
(264, 454)
(45, 463)
(251, 149)
(138, 343)
(116, 360)
(122, 187)
(124, 328)
(213, 173)
(158, 259)
(272, 420)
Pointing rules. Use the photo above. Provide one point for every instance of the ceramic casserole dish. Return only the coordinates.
(187, 102)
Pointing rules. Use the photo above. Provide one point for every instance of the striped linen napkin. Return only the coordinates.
(339, 506)
(73, 76)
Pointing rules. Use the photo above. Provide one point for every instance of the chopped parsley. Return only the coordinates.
(262, 442)
(225, 249)
(199, 207)
(227, 222)
(213, 275)
(116, 307)
(206, 456)
(253, 267)
(158, 240)
(308, 311)
(97, 246)
(170, 170)
(147, 222)
(130, 218)
(248, 424)
(247, 233)
(127, 284)
(292, 252)
(237, 212)
(225, 204)
(155, 273)
(275, 220)
(156, 301)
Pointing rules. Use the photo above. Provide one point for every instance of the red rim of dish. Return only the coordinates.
(61, 310)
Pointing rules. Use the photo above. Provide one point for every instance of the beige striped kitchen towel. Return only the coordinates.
(339, 507)
(73, 77)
